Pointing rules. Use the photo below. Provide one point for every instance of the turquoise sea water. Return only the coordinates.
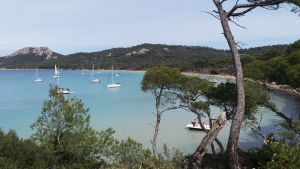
(128, 110)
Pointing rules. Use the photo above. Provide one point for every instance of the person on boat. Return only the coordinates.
(194, 122)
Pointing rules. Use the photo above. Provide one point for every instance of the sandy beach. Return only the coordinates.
(224, 76)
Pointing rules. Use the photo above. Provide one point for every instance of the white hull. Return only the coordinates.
(114, 85)
(65, 91)
(197, 126)
(95, 81)
(38, 80)
(56, 76)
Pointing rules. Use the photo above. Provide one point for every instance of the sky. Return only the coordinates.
(70, 26)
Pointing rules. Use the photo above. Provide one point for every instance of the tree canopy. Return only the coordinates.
(283, 69)
(63, 128)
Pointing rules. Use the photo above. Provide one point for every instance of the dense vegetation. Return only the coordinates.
(143, 56)
(283, 68)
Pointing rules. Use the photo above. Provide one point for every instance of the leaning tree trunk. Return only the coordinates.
(207, 140)
(232, 156)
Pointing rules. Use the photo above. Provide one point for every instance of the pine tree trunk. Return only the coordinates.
(208, 139)
(239, 113)
(156, 128)
(153, 142)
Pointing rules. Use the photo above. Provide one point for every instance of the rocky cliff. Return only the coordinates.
(44, 52)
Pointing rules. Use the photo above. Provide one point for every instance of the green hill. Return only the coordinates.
(138, 57)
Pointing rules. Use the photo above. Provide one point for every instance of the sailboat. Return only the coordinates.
(37, 78)
(56, 72)
(93, 79)
(112, 84)
(82, 70)
(56, 79)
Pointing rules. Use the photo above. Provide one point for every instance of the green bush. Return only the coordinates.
(277, 155)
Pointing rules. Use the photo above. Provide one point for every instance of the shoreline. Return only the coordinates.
(283, 88)
(276, 87)
(104, 70)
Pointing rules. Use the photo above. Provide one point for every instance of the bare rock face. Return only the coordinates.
(166, 49)
(37, 51)
(138, 52)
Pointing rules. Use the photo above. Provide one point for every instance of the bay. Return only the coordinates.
(127, 110)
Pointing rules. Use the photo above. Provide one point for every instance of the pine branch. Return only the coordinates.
(252, 5)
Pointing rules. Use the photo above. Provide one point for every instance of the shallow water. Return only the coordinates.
(128, 110)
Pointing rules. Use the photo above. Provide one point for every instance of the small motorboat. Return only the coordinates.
(65, 91)
(197, 126)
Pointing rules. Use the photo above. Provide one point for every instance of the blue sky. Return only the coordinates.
(68, 26)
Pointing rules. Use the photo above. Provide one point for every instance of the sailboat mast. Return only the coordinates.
(93, 73)
(112, 74)
(36, 73)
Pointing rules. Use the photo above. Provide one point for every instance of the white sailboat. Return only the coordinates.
(93, 79)
(37, 78)
(56, 81)
(82, 70)
(112, 84)
(56, 72)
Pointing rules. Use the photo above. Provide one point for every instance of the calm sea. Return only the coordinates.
(128, 110)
